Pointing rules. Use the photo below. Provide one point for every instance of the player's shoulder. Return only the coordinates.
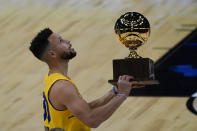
(63, 85)
(62, 82)
(62, 91)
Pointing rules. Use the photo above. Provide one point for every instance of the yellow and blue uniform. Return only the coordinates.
(55, 119)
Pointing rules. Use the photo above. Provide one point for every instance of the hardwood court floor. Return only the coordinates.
(89, 26)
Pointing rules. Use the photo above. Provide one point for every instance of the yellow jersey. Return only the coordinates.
(56, 119)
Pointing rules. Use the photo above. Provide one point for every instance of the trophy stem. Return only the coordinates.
(133, 54)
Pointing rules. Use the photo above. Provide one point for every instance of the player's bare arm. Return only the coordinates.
(102, 100)
(110, 94)
(93, 117)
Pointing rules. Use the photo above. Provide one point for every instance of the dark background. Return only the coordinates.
(176, 71)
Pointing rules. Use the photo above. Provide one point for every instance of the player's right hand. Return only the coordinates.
(126, 83)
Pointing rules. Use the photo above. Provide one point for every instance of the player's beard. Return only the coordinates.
(69, 55)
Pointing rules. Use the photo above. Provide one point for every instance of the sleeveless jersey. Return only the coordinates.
(55, 119)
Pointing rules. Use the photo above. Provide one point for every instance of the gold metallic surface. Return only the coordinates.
(133, 30)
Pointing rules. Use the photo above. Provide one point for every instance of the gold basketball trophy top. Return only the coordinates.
(133, 30)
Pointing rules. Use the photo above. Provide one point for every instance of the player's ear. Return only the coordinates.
(51, 53)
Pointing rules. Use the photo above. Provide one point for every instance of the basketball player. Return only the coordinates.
(64, 108)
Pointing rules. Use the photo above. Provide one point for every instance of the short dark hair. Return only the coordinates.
(40, 43)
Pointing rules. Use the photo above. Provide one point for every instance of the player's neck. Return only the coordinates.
(59, 67)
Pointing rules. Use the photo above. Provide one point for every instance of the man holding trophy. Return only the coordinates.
(64, 107)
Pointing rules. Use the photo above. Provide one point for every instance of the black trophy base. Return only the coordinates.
(142, 69)
(148, 82)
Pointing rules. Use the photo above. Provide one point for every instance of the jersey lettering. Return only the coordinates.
(46, 109)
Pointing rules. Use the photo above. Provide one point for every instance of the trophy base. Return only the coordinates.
(142, 69)
(147, 82)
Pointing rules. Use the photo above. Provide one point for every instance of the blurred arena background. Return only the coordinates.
(89, 25)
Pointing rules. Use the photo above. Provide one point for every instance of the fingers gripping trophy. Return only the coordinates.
(133, 29)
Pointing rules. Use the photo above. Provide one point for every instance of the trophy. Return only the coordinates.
(133, 29)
